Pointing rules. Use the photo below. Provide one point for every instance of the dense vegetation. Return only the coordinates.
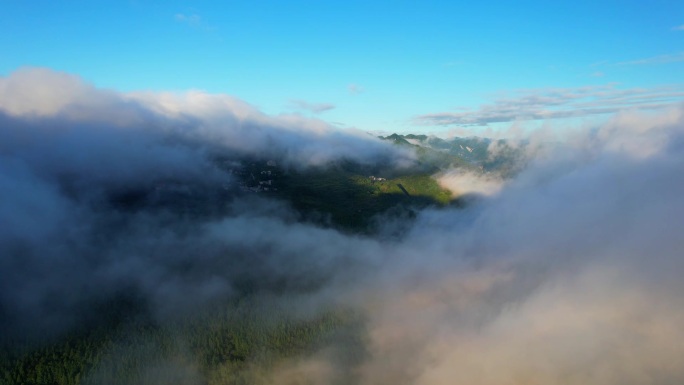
(346, 196)
(350, 201)
(240, 342)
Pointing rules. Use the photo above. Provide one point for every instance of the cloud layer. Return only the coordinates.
(106, 193)
(568, 274)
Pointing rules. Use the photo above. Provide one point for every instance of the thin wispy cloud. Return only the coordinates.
(557, 103)
(678, 28)
(191, 19)
(355, 88)
(194, 20)
(660, 59)
(453, 63)
(316, 108)
(599, 63)
(647, 61)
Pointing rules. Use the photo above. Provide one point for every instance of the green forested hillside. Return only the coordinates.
(346, 196)
(240, 342)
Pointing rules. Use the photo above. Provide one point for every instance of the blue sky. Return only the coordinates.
(405, 66)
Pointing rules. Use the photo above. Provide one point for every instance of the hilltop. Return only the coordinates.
(473, 153)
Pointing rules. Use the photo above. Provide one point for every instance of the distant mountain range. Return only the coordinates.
(472, 153)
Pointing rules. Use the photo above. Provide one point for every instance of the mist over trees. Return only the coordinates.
(130, 252)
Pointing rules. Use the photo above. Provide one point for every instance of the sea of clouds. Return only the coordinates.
(570, 273)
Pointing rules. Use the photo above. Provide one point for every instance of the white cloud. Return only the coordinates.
(213, 119)
(567, 276)
(557, 103)
(43, 92)
(191, 19)
(194, 20)
(316, 108)
(571, 274)
(461, 182)
(662, 59)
